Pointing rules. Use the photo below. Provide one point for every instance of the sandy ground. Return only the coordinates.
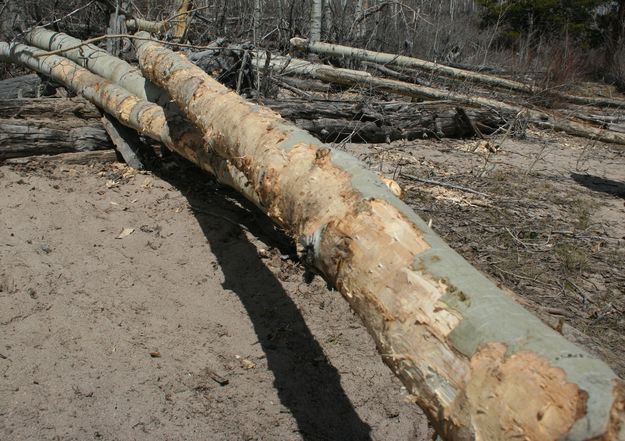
(127, 338)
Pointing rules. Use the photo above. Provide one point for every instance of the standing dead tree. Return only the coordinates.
(479, 364)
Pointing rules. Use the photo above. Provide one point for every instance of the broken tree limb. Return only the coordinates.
(452, 72)
(30, 136)
(479, 364)
(145, 117)
(365, 80)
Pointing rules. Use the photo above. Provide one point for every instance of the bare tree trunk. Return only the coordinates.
(479, 364)
(362, 79)
(439, 69)
(316, 15)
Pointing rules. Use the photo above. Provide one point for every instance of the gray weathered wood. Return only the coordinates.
(125, 141)
(25, 137)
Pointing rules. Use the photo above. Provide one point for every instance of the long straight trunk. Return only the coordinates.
(439, 69)
(480, 365)
(365, 80)
(316, 15)
(132, 111)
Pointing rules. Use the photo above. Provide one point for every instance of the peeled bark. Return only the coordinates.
(480, 365)
(439, 69)
(362, 79)
(181, 21)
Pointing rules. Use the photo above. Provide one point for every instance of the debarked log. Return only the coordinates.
(480, 365)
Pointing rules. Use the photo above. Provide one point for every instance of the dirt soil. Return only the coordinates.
(128, 300)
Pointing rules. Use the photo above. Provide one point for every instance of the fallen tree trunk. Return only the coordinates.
(333, 121)
(461, 74)
(49, 108)
(25, 137)
(145, 117)
(25, 86)
(480, 365)
(365, 80)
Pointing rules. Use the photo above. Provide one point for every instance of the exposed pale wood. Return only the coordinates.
(440, 69)
(480, 365)
(131, 110)
(25, 137)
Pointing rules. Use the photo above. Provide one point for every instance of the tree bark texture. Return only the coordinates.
(333, 121)
(439, 69)
(25, 86)
(366, 81)
(30, 136)
(316, 15)
(480, 365)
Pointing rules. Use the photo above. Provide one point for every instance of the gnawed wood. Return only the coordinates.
(132, 111)
(478, 364)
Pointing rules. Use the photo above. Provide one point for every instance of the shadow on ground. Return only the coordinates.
(307, 384)
(602, 185)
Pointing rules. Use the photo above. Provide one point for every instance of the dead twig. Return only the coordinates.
(444, 184)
